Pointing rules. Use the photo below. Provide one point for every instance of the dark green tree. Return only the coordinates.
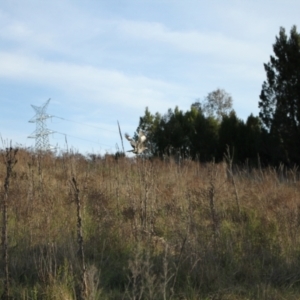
(202, 134)
(149, 123)
(280, 96)
(189, 134)
(172, 133)
(253, 139)
(232, 134)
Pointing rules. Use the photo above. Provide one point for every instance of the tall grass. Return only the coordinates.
(150, 229)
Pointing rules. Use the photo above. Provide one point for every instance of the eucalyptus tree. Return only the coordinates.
(217, 104)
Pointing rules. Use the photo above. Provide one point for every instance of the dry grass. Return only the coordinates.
(151, 229)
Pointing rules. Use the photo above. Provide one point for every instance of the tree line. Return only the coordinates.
(210, 126)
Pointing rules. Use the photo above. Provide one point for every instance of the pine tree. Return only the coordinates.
(280, 96)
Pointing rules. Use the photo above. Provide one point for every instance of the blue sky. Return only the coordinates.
(105, 61)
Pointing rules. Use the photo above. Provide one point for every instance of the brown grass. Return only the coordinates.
(151, 229)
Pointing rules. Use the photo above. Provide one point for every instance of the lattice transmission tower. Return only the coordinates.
(41, 133)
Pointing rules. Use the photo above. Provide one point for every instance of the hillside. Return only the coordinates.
(151, 229)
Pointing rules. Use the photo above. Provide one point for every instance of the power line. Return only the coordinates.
(83, 124)
(80, 138)
(43, 133)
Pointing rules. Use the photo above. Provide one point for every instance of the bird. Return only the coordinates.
(138, 146)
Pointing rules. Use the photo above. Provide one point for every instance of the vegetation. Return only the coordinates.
(150, 229)
(217, 103)
(181, 227)
(280, 96)
(204, 131)
(196, 135)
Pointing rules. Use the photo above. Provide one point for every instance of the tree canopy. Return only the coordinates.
(199, 134)
(217, 104)
(206, 130)
(280, 96)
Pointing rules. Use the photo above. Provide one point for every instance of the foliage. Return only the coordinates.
(149, 123)
(148, 230)
(280, 96)
(205, 131)
(217, 104)
(180, 134)
(193, 135)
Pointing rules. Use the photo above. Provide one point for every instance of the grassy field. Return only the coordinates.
(147, 229)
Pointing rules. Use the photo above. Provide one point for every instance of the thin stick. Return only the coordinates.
(10, 161)
(83, 294)
(121, 137)
(229, 160)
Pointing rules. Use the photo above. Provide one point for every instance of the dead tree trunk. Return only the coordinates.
(10, 161)
(83, 290)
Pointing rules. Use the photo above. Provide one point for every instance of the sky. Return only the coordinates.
(103, 62)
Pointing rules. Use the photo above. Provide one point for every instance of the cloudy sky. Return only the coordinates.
(106, 61)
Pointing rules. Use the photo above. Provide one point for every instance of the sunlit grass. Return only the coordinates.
(151, 229)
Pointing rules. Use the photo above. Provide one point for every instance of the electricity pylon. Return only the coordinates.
(41, 134)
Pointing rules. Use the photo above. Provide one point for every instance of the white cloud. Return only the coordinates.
(91, 83)
(102, 62)
(193, 41)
